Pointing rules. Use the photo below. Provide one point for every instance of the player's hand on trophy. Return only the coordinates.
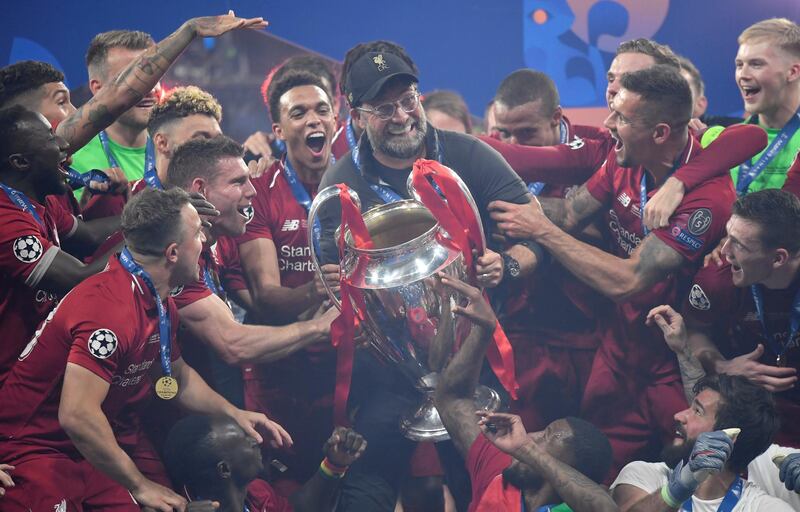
(213, 26)
(477, 309)
(330, 274)
(489, 269)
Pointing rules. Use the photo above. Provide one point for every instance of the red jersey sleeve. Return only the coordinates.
(25, 252)
(712, 298)
(698, 224)
(484, 462)
(191, 293)
(792, 183)
(601, 184)
(260, 225)
(734, 145)
(230, 273)
(63, 219)
(564, 164)
(261, 497)
(100, 342)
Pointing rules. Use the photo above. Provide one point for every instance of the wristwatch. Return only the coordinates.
(510, 266)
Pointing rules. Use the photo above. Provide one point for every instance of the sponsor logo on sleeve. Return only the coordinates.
(27, 249)
(698, 298)
(684, 237)
(578, 143)
(699, 222)
(102, 343)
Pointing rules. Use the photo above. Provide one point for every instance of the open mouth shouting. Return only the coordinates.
(749, 92)
(64, 163)
(315, 141)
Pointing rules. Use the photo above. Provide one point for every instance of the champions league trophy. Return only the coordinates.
(406, 312)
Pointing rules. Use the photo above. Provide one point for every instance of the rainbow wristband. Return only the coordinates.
(331, 471)
(668, 499)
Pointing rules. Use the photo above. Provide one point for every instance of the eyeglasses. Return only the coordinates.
(384, 112)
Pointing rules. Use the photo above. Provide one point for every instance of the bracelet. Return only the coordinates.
(668, 499)
(331, 471)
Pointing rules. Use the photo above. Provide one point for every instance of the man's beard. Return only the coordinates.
(400, 148)
(522, 476)
(672, 454)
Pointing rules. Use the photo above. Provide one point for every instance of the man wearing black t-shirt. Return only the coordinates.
(381, 88)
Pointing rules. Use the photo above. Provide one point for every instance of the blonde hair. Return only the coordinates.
(780, 31)
(183, 102)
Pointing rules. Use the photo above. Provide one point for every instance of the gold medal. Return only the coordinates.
(166, 388)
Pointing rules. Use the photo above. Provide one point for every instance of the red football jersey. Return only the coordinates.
(694, 229)
(279, 217)
(27, 250)
(107, 324)
(340, 145)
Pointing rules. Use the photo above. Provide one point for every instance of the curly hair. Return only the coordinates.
(25, 77)
(286, 82)
(183, 102)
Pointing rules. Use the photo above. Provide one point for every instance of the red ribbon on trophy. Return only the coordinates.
(344, 327)
(457, 218)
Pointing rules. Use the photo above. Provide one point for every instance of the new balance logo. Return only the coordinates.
(291, 225)
(624, 199)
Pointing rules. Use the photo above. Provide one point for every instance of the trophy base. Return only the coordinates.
(424, 424)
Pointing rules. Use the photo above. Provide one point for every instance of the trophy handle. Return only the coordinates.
(323, 196)
(464, 190)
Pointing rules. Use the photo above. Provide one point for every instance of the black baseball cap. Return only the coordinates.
(370, 72)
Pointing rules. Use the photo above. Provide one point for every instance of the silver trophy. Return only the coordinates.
(408, 319)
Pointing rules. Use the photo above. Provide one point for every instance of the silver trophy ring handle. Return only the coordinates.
(323, 196)
(464, 190)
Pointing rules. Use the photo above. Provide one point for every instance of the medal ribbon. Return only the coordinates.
(24, 204)
(127, 261)
(730, 500)
(748, 172)
(77, 180)
(150, 175)
(535, 188)
(457, 218)
(301, 196)
(777, 348)
(353, 304)
(643, 184)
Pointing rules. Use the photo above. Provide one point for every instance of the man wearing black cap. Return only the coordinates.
(380, 84)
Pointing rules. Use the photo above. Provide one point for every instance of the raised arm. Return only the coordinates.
(135, 81)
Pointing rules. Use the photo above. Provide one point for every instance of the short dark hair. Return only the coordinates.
(666, 94)
(152, 220)
(10, 120)
(661, 53)
(451, 103)
(526, 86)
(191, 453)
(25, 77)
(199, 158)
(690, 68)
(777, 212)
(591, 450)
(361, 49)
(97, 54)
(314, 64)
(280, 85)
(746, 406)
(183, 102)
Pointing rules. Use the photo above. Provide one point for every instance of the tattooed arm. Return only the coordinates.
(456, 387)
(617, 278)
(574, 212)
(139, 78)
(508, 434)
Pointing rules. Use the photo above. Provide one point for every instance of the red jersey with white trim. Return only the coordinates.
(278, 216)
(107, 324)
(729, 315)
(694, 229)
(27, 250)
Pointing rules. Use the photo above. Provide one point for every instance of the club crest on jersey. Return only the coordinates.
(248, 213)
(291, 225)
(27, 249)
(61, 507)
(700, 221)
(698, 298)
(102, 343)
(380, 62)
(577, 143)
